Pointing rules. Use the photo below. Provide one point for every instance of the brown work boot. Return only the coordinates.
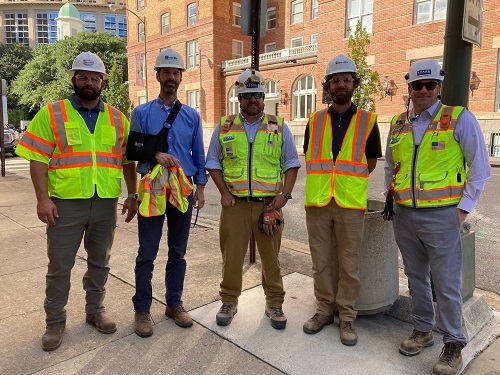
(277, 316)
(413, 345)
(102, 322)
(143, 323)
(348, 335)
(317, 322)
(225, 314)
(450, 360)
(52, 337)
(180, 316)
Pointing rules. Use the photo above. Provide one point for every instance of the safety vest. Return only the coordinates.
(160, 183)
(252, 169)
(346, 180)
(439, 174)
(79, 163)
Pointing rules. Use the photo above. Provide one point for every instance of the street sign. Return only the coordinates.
(472, 23)
(247, 19)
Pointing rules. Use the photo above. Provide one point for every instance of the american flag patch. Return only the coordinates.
(438, 145)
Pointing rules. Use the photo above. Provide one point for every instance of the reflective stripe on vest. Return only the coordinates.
(440, 169)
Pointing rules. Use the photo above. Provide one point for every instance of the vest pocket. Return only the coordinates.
(73, 133)
(67, 182)
(108, 135)
(233, 172)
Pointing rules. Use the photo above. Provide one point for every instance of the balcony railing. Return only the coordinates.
(282, 56)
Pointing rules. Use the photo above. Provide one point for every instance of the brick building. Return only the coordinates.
(301, 37)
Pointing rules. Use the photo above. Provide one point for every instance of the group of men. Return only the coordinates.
(436, 165)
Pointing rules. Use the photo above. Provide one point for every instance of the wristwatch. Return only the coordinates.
(287, 195)
(132, 196)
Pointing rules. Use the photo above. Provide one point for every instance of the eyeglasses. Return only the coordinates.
(345, 81)
(93, 79)
(248, 95)
(417, 86)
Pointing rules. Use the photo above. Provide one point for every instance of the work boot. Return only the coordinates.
(143, 324)
(348, 335)
(277, 316)
(317, 322)
(413, 345)
(52, 337)
(102, 322)
(450, 360)
(180, 316)
(226, 313)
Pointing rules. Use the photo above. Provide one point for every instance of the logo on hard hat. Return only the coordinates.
(88, 62)
(424, 72)
(170, 57)
(341, 62)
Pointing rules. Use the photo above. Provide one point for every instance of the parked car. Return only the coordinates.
(11, 139)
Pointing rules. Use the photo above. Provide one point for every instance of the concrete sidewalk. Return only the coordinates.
(248, 346)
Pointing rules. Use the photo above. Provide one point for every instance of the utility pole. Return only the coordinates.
(3, 93)
(255, 33)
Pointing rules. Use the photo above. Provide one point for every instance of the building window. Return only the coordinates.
(140, 4)
(89, 21)
(16, 28)
(270, 47)
(359, 10)
(271, 19)
(297, 11)
(236, 14)
(271, 88)
(193, 99)
(233, 103)
(116, 24)
(142, 99)
(237, 49)
(315, 9)
(296, 42)
(46, 28)
(314, 38)
(165, 23)
(191, 12)
(193, 57)
(304, 98)
(429, 10)
(140, 31)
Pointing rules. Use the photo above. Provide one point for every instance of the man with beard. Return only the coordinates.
(183, 148)
(342, 144)
(253, 161)
(77, 160)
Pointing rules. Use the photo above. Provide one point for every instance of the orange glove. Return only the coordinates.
(269, 220)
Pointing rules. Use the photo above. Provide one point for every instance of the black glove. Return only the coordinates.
(388, 213)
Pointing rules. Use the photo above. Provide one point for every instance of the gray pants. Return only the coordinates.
(93, 219)
(429, 240)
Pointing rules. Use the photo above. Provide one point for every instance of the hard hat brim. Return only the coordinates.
(71, 72)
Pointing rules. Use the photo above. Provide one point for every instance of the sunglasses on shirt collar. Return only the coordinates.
(248, 95)
(417, 86)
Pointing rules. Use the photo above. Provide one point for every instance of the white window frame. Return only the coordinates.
(236, 14)
(16, 28)
(269, 47)
(193, 99)
(363, 12)
(191, 14)
(89, 21)
(140, 32)
(192, 54)
(233, 105)
(303, 99)
(297, 11)
(140, 4)
(314, 9)
(115, 24)
(165, 23)
(271, 18)
(314, 39)
(237, 49)
(434, 14)
(298, 40)
(46, 27)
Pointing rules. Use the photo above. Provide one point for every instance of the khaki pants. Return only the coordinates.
(236, 225)
(335, 236)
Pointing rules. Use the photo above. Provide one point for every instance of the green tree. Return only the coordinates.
(116, 92)
(370, 85)
(45, 79)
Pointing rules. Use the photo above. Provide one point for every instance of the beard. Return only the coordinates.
(169, 86)
(88, 93)
(342, 96)
(252, 110)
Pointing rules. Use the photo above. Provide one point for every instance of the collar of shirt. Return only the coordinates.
(251, 128)
(426, 114)
(258, 121)
(352, 109)
(167, 109)
(76, 104)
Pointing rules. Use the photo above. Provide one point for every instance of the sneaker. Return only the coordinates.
(277, 316)
(348, 335)
(180, 316)
(413, 345)
(450, 360)
(143, 324)
(102, 322)
(317, 322)
(226, 313)
(52, 337)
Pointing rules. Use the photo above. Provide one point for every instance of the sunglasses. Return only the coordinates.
(248, 95)
(417, 86)
(345, 81)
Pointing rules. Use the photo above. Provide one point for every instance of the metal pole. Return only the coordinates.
(145, 60)
(2, 135)
(457, 57)
(255, 33)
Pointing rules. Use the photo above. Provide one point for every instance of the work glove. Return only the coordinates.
(388, 213)
(269, 220)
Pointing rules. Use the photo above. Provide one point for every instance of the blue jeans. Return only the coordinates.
(150, 233)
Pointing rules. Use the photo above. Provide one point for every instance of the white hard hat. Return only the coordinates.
(424, 69)
(89, 62)
(168, 58)
(250, 81)
(341, 64)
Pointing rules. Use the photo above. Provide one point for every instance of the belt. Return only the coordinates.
(254, 199)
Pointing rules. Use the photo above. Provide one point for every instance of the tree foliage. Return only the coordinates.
(13, 57)
(116, 92)
(45, 79)
(370, 85)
